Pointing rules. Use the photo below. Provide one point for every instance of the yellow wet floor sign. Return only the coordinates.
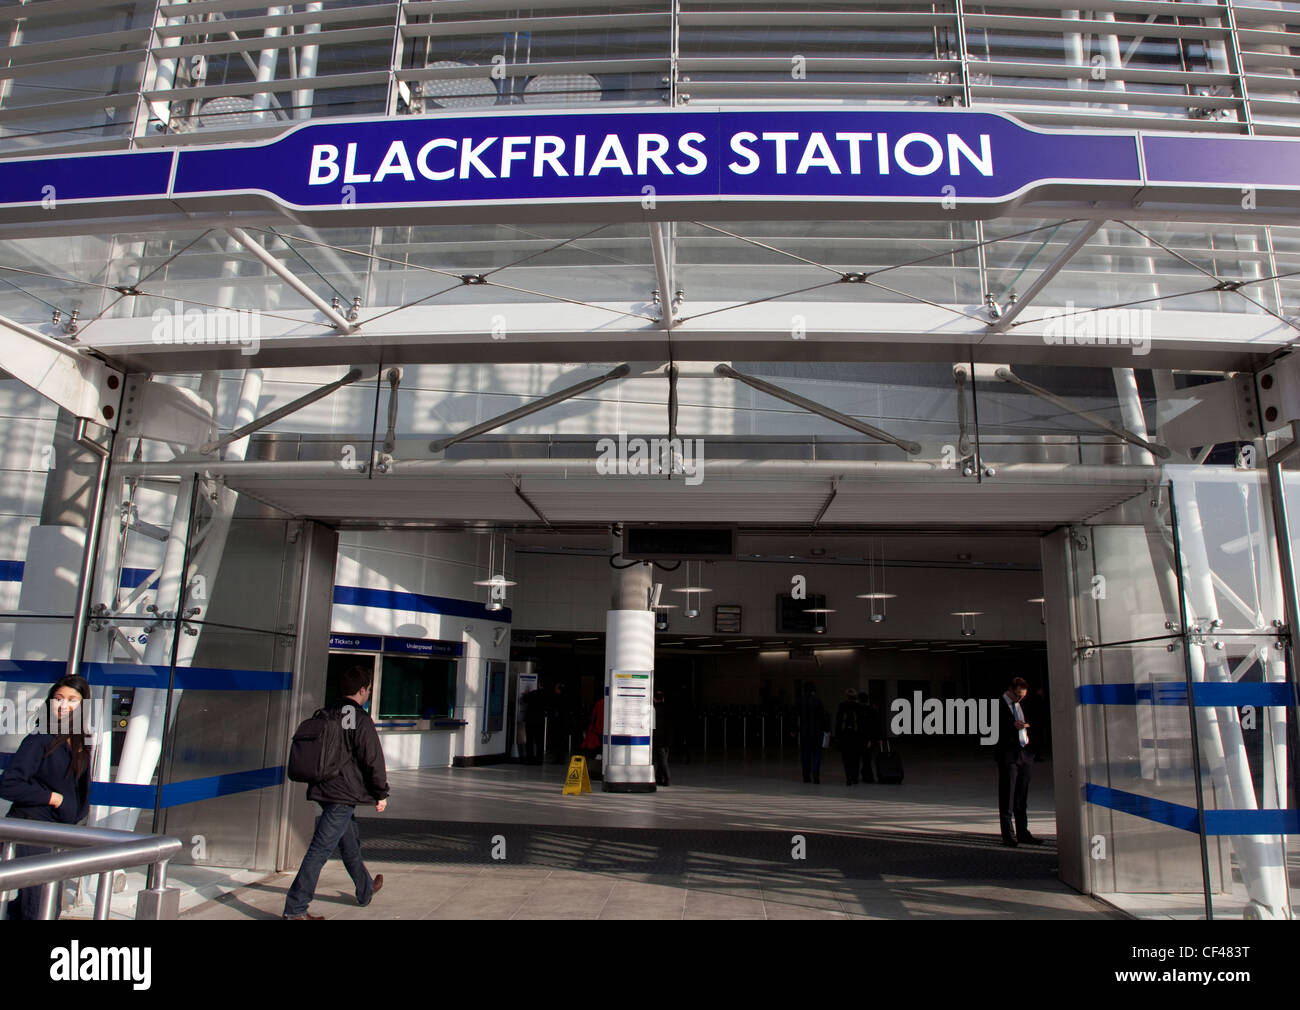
(577, 781)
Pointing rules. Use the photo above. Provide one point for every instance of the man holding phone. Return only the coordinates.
(1015, 762)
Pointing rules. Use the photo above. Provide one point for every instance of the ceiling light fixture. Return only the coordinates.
(496, 580)
(692, 610)
(876, 594)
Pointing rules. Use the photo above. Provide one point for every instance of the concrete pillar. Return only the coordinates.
(629, 679)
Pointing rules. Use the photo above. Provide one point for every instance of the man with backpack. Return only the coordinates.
(337, 752)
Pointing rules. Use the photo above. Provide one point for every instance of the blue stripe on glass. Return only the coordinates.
(1215, 694)
(125, 675)
(133, 578)
(31, 671)
(193, 678)
(628, 741)
(391, 599)
(175, 794)
(203, 678)
(122, 794)
(1206, 694)
(1252, 822)
(12, 571)
(1177, 815)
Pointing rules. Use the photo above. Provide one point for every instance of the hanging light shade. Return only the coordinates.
(496, 582)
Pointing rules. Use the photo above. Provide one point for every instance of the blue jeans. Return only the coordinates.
(336, 828)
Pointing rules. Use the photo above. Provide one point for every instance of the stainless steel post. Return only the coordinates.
(103, 895)
(48, 893)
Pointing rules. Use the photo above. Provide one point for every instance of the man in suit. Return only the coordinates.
(1015, 762)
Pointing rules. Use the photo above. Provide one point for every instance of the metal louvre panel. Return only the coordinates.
(356, 498)
(597, 499)
(1140, 63)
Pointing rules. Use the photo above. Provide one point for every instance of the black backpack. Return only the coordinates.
(320, 748)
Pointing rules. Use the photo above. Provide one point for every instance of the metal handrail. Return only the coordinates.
(99, 850)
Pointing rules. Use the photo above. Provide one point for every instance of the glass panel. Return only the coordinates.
(1225, 533)
(1125, 587)
(1131, 270)
(417, 688)
(1138, 756)
(804, 261)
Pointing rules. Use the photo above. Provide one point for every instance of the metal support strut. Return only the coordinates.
(911, 448)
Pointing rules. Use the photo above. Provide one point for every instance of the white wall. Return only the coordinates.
(430, 564)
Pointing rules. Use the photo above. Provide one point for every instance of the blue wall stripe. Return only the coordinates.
(388, 599)
(175, 794)
(391, 599)
(1178, 815)
(1206, 694)
(628, 741)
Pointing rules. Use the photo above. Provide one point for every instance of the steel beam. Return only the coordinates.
(83, 386)
(530, 408)
(660, 251)
(292, 279)
(285, 411)
(813, 407)
(1089, 229)
(1006, 375)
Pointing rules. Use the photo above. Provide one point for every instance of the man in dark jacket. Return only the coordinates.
(362, 780)
(1015, 763)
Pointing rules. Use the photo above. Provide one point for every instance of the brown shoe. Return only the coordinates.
(305, 915)
(379, 883)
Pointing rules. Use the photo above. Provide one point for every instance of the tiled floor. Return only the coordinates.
(718, 844)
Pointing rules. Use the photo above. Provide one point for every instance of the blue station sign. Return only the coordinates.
(841, 155)
(698, 155)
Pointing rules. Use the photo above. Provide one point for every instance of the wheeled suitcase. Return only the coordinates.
(889, 766)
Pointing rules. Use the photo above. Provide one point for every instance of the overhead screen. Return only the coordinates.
(648, 543)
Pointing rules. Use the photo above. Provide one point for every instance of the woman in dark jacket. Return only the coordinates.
(48, 778)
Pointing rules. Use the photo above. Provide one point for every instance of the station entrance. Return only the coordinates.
(265, 541)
